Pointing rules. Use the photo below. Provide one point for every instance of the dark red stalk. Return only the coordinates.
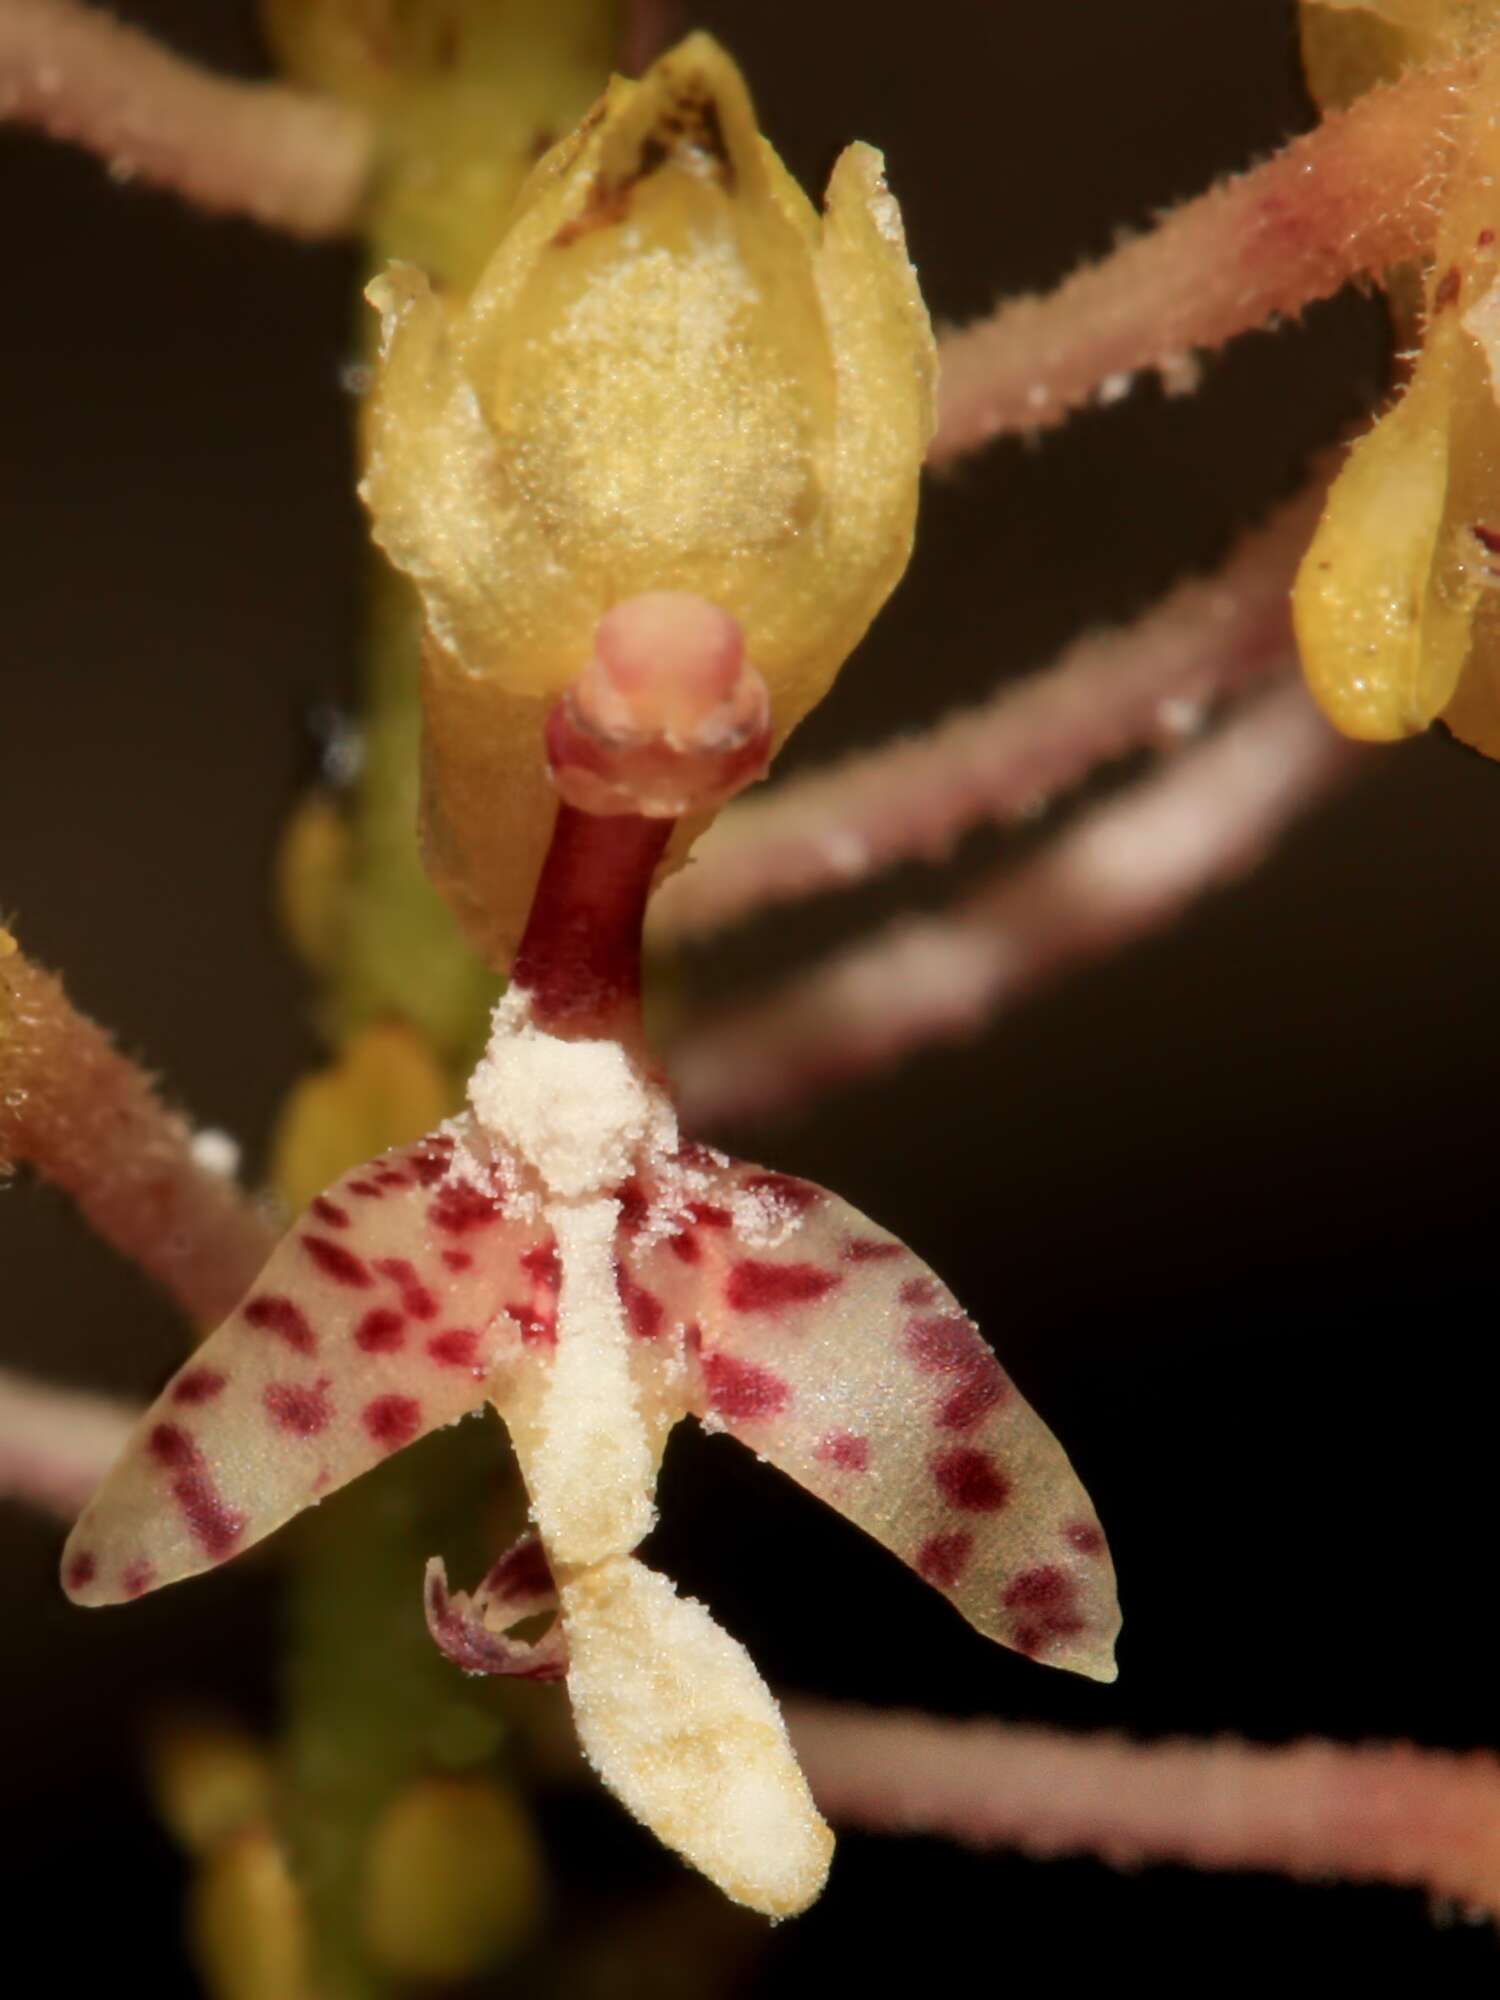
(580, 956)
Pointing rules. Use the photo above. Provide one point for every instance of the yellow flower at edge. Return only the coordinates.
(671, 375)
(1396, 602)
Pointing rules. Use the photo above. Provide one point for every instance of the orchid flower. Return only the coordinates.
(560, 1250)
(1395, 600)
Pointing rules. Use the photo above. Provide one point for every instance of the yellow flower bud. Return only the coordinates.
(672, 375)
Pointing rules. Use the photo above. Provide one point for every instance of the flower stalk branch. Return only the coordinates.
(90, 1121)
(282, 157)
(57, 1444)
(1148, 684)
(1424, 1819)
(1126, 869)
(1360, 193)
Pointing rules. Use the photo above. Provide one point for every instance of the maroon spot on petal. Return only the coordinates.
(755, 1286)
(643, 1309)
(944, 1346)
(335, 1262)
(458, 1260)
(973, 1398)
(1485, 238)
(81, 1570)
(366, 1190)
(462, 1207)
(456, 1349)
(971, 1480)
(537, 1328)
(198, 1385)
(298, 1409)
(799, 1196)
(329, 1212)
(1447, 288)
(634, 1207)
(919, 1292)
(137, 1578)
(381, 1331)
(389, 1177)
(544, 1264)
(685, 1247)
(215, 1526)
(271, 1313)
(943, 1558)
(1046, 1597)
(1488, 538)
(740, 1389)
(430, 1161)
(1085, 1536)
(709, 1215)
(846, 1449)
(872, 1250)
(415, 1296)
(392, 1420)
(698, 1158)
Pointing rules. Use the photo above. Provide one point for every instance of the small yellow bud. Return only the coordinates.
(671, 376)
(455, 1880)
(210, 1780)
(246, 1921)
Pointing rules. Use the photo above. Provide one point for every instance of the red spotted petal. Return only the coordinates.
(380, 1316)
(827, 1347)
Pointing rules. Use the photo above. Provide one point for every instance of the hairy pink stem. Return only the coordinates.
(57, 1444)
(88, 1120)
(287, 159)
(1348, 200)
(1417, 1818)
(1109, 694)
(1124, 869)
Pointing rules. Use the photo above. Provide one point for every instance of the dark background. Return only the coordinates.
(1224, 1205)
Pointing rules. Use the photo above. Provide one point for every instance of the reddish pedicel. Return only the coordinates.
(392, 1420)
(298, 1409)
(415, 1296)
(740, 1389)
(942, 1559)
(457, 1349)
(846, 1449)
(198, 1385)
(381, 1331)
(283, 1317)
(335, 1262)
(754, 1286)
(971, 1480)
(216, 1527)
(329, 1212)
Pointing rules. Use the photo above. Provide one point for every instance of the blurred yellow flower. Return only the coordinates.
(1395, 604)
